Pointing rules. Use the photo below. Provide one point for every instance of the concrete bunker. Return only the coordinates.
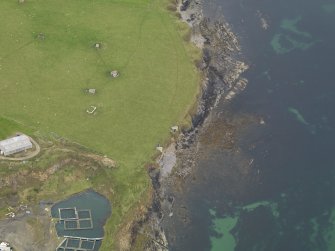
(114, 74)
(97, 45)
(92, 91)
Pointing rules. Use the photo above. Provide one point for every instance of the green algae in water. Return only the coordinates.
(311, 128)
(298, 115)
(299, 45)
(272, 205)
(283, 43)
(223, 227)
(301, 82)
(291, 25)
(316, 229)
(331, 233)
(328, 8)
(328, 233)
(277, 45)
(253, 206)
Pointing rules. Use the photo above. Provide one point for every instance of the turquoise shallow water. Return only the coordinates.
(275, 190)
(224, 226)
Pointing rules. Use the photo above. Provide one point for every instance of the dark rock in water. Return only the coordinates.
(221, 72)
(184, 5)
(155, 176)
(170, 199)
(192, 17)
(206, 56)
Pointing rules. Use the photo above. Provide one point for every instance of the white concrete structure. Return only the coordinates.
(114, 74)
(4, 246)
(91, 91)
(91, 109)
(15, 144)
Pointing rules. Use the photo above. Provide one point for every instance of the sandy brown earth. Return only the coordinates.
(29, 232)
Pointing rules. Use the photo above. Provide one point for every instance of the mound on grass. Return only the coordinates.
(41, 81)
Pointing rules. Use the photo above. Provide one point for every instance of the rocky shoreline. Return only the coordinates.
(222, 79)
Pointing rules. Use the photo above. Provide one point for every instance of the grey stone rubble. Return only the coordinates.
(168, 161)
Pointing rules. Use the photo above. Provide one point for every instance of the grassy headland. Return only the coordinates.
(48, 59)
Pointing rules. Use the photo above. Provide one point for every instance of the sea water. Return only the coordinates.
(274, 187)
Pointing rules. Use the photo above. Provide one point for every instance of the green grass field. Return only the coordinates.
(42, 81)
(9, 127)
